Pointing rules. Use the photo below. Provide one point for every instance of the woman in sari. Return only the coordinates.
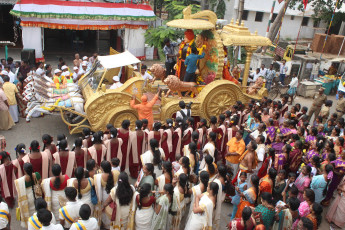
(295, 158)
(26, 193)
(53, 189)
(194, 157)
(336, 211)
(329, 148)
(312, 135)
(83, 186)
(80, 153)
(104, 182)
(48, 145)
(280, 159)
(154, 156)
(285, 217)
(122, 197)
(320, 183)
(180, 191)
(211, 167)
(148, 177)
(303, 181)
(21, 102)
(65, 158)
(304, 208)
(201, 217)
(97, 151)
(266, 209)
(166, 177)
(144, 211)
(176, 140)
(338, 174)
(267, 182)
(163, 208)
(196, 190)
(249, 197)
(40, 161)
(18, 163)
(315, 215)
(246, 222)
(167, 140)
(209, 148)
(339, 146)
(271, 131)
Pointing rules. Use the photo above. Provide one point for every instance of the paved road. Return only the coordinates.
(52, 124)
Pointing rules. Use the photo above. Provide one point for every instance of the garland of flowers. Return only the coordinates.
(189, 51)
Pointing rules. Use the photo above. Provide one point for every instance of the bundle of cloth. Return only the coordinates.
(43, 96)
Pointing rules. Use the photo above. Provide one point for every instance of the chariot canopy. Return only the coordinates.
(118, 60)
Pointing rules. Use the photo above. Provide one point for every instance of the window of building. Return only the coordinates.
(292, 17)
(245, 15)
(316, 23)
(305, 21)
(259, 16)
(274, 17)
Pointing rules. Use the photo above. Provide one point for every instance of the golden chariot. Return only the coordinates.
(103, 105)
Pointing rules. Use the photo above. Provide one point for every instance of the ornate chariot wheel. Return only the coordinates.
(219, 99)
(129, 114)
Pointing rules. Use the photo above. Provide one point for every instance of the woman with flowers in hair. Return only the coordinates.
(40, 160)
(97, 151)
(7, 177)
(167, 140)
(65, 158)
(19, 163)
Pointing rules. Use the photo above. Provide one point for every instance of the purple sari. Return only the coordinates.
(312, 153)
(285, 131)
(339, 165)
(310, 138)
(271, 133)
(278, 147)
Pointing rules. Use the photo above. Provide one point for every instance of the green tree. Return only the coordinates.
(323, 10)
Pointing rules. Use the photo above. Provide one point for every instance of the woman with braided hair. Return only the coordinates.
(166, 177)
(26, 193)
(163, 209)
(83, 186)
(40, 161)
(7, 176)
(53, 189)
(144, 211)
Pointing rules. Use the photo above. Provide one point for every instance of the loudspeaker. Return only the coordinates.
(29, 55)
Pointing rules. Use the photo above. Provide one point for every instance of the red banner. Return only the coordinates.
(305, 3)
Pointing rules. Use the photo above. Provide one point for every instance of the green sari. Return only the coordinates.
(160, 220)
(149, 180)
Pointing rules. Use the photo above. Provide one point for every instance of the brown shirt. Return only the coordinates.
(341, 105)
(319, 100)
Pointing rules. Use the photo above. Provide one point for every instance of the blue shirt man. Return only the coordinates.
(191, 65)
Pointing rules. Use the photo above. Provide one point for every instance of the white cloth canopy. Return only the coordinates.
(118, 60)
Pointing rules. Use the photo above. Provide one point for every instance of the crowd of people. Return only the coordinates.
(276, 167)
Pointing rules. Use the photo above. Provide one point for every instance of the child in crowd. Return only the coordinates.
(70, 211)
(115, 164)
(240, 188)
(5, 216)
(86, 222)
(33, 222)
(45, 216)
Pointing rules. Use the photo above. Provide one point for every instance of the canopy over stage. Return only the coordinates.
(72, 15)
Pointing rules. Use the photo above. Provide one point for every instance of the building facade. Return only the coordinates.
(257, 12)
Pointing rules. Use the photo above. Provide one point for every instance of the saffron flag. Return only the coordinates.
(280, 1)
(305, 3)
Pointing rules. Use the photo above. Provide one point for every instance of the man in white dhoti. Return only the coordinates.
(11, 92)
(117, 83)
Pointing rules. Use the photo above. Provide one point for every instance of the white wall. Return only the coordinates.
(289, 28)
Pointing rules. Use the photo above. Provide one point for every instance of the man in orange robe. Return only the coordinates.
(145, 108)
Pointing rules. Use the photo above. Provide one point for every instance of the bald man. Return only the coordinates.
(145, 108)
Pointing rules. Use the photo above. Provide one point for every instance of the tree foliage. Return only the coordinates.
(323, 9)
(175, 8)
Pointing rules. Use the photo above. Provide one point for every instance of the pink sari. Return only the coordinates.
(301, 183)
(336, 211)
